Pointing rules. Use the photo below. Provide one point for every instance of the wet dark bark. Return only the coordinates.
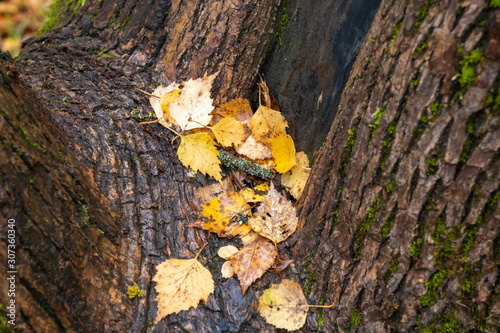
(99, 203)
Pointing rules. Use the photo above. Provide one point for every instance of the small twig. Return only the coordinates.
(147, 93)
(320, 306)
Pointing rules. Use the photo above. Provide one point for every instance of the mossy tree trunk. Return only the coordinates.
(401, 214)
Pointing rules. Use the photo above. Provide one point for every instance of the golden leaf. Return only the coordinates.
(267, 123)
(161, 105)
(283, 150)
(227, 270)
(227, 251)
(284, 305)
(237, 108)
(252, 261)
(276, 218)
(250, 196)
(295, 179)
(264, 187)
(229, 131)
(198, 152)
(192, 109)
(220, 211)
(181, 284)
(254, 150)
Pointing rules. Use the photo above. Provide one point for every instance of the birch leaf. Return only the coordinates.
(254, 150)
(181, 284)
(161, 105)
(252, 261)
(220, 211)
(283, 150)
(237, 108)
(296, 178)
(284, 305)
(227, 270)
(267, 123)
(227, 251)
(276, 218)
(198, 152)
(194, 103)
(230, 132)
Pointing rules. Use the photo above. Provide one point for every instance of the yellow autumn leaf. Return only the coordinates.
(198, 152)
(161, 105)
(192, 109)
(254, 150)
(295, 179)
(181, 284)
(230, 132)
(257, 194)
(283, 150)
(227, 270)
(227, 251)
(264, 187)
(284, 305)
(220, 211)
(267, 123)
(276, 218)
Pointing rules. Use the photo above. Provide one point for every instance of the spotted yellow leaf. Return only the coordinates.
(161, 105)
(267, 123)
(198, 152)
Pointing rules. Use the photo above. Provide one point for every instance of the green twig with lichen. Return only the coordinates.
(242, 164)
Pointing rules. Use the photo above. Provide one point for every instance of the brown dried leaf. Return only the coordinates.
(252, 261)
(276, 218)
(181, 284)
(284, 305)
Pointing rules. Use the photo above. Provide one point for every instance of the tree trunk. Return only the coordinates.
(400, 215)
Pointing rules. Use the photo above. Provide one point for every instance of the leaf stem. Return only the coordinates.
(320, 306)
(147, 93)
(201, 250)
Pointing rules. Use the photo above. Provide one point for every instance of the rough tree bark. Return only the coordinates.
(401, 213)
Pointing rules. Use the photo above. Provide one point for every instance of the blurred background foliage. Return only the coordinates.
(19, 20)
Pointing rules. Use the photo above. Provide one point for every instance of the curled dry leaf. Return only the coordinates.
(295, 180)
(283, 151)
(276, 218)
(181, 284)
(284, 305)
(227, 251)
(195, 103)
(252, 261)
(161, 105)
(230, 132)
(267, 123)
(220, 211)
(198, 151)
(227, 270)
(254, 150)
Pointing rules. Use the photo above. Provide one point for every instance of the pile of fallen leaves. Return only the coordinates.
(239, 205)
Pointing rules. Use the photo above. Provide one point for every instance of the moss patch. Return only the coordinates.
(377, 115)
(53, 15)
(421, 47)
(467, 71)
(387, 226)
(387, 146)
(422, 14)
(354, 319)
(393, 268)
(443, 323)
(365, 226)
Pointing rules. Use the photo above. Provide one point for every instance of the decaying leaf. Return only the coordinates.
(181, 284)
(280, 265)
(283, 150)
(220, 211)
(295, 179)
(250, 237)
(237, 108)
(227, 270)
(198, 152)
(227, 251)
(161, 105)
(192, 109)
(276, 218)
(254, 150)
(230, 132)
(252, 261)
(284, 305)
(267, 123)
(269, 99)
